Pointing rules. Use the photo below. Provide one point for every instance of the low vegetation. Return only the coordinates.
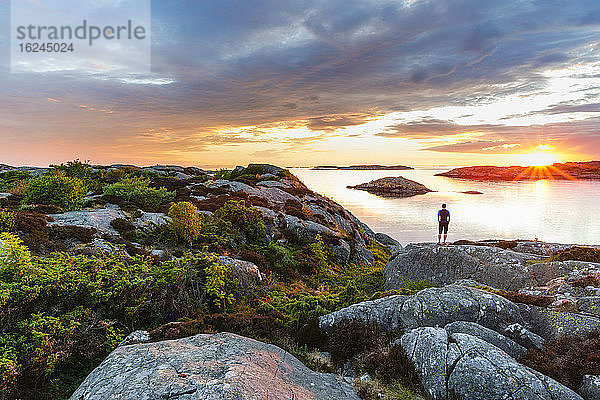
(62, 313)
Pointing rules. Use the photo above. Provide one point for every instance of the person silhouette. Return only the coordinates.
(444, 221)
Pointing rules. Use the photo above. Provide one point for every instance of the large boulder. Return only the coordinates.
(430, 307)
(211, 367)
(458, 365)
(551, 324)
(441, 265)
(99, 219)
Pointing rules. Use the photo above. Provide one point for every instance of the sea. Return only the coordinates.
(548, 210)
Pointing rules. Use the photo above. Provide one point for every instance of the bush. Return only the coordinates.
(14, 181)
(82, 171)
(567, 359)
(186, 222)
(219, 283)
(577, 253)
(7, 221)
(222, 174)
(56, 189)
(62, 315)
(135, 189)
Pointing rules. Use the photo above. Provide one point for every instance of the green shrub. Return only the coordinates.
(7, 220)
(13, 181)
(222, 174)
(248, 219)
(186, 222)
(219, 283)
(135, 189)
(82, 171)
(55, 189)
(62, 315)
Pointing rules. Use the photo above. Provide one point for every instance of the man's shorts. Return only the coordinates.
(444, 227)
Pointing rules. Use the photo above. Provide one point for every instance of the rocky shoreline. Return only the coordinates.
(369, 167)
(560, 171)
(471, 320)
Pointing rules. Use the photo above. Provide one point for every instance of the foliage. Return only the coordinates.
(247, 219)
(55, 189)
(80, 170)
(135, 189)
(186, 222)
(567, 359)
(62, 314)
(577, 253)
(219, 283)
(222, 174)
(14, 181)
(7, 220)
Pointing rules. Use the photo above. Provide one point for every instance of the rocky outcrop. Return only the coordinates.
(396, 186)
(500, 268)
(459, 365)
(433, 307)
(566, 171)
(220, 366)
(98, 219)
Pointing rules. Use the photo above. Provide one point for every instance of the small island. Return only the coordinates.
(560, 171)
(394, 186)
(369, 167)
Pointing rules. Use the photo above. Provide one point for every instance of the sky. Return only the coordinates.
(302, 83)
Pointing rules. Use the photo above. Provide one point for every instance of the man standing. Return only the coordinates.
(444, 220)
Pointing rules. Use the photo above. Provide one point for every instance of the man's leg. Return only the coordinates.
(439, 238)
(445, 236)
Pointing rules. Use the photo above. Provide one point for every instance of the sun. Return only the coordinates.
(540, 159)
(540, 156)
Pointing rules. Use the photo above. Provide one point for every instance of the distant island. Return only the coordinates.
(368, 167)
(396, 186)
(560, 171)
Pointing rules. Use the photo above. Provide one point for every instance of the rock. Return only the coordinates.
(458, 365)
(430, 307)
(99, 219)
(471, 192)
(524, 336)
(341, 252)
(279, 184)
(247, 273)
(368, 167)
(135, 337)
(590, 388)
(590, 305)
(569, 170)
(306, 230)
(211, 367)
(500, 341)
(148, 219)
(396, 186)
(551, 324)
(392, 244)
(158, 253)
(441, 265)
(267, 168)
(5, 195)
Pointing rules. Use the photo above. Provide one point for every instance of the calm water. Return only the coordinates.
(554, 211)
